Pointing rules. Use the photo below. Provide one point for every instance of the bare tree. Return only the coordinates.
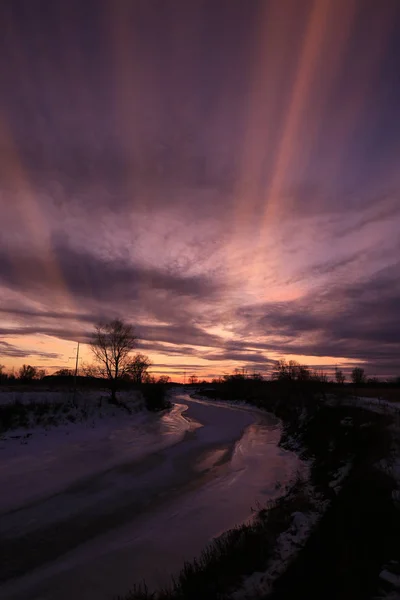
(319, 376)
(256, 376)
(339, 376)
(138, 366)
(28, 373)
(41, 374)
(193, 379)
(64, 372)
(358, 376)
(111, 346)
(290, 371)
(90, 370)
(303, 373)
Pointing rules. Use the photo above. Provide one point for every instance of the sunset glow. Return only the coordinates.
(222, 175)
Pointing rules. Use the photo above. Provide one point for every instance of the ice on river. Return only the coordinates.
(161, 491)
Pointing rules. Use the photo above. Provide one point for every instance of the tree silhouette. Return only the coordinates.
(41, 374)
(111, 347)
(27, 373)
(291, 371)
(65, 372)
(339, 376)
(358, 376)
(137, 368)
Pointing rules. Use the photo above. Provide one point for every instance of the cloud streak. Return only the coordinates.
(227, 181)
(9, 350)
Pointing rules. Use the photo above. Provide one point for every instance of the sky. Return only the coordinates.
(223, 174)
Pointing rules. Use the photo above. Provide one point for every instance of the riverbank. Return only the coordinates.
(357, 537)
(141, 500)
(334, 536)
(353, 550)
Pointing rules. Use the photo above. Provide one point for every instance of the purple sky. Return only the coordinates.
(224, 174)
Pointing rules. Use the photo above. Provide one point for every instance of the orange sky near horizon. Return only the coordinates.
(162, 364)
(227, 181)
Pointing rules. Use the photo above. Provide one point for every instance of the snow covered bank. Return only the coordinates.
(30, 411)
(287, 544)
(377, 405)
(39, 461)
(146, 518)
(347, 441)
(350, 442)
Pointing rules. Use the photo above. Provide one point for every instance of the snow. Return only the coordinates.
(390, 465)
(391, 578)
(37, 462)
(236, 404)
(180, 480)
(188, 475)
(39, 395)
(288, 545)
(87, 397)
(378, 405)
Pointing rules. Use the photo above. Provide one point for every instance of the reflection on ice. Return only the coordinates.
(196, 472)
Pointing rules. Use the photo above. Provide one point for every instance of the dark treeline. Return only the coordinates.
(292, 372)
(284, 371)
(66, 378)
(295, 387)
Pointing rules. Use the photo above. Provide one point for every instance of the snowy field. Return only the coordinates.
(26, 396)
(92, 508)
(39, 395)
(38, 462)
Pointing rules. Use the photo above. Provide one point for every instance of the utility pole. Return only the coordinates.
(76, 370)
(184, 377)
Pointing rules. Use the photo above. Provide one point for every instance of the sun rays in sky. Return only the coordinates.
(221, 174)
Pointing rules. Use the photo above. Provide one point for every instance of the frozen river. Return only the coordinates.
(89, 516)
